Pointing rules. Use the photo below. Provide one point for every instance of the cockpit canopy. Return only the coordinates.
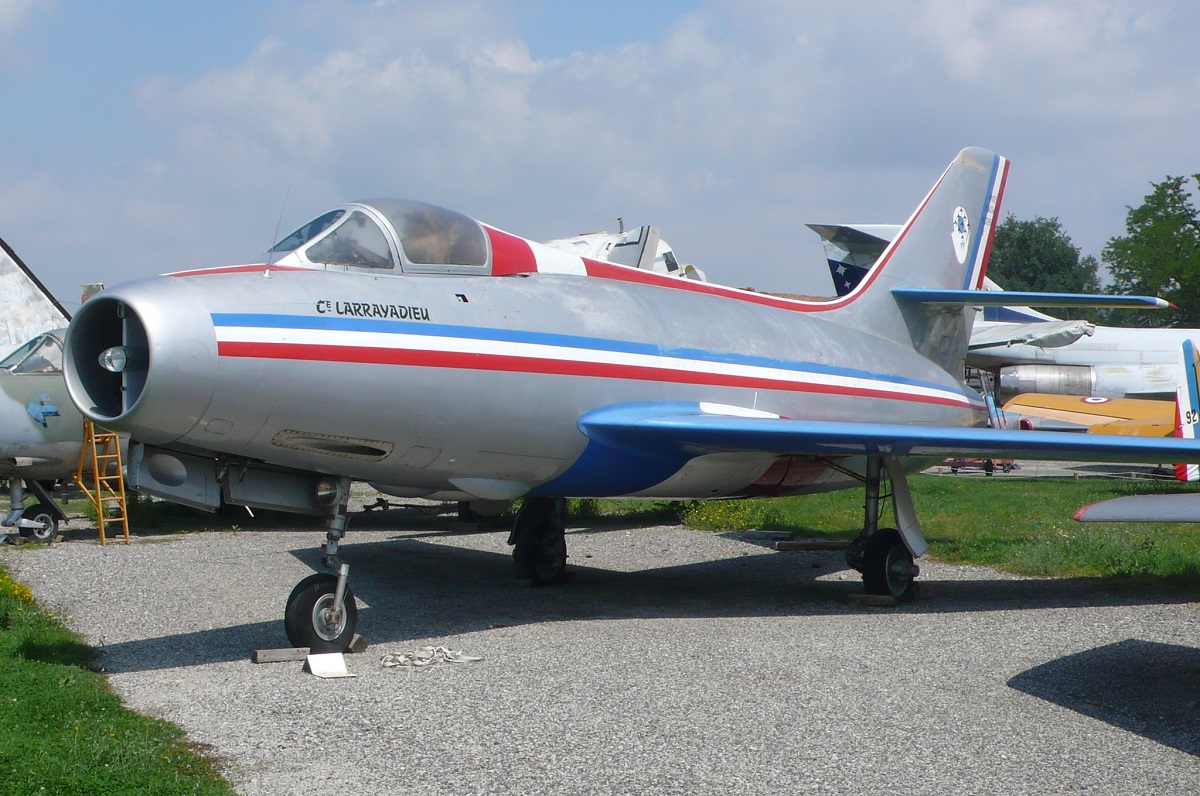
(396, 234)
(42, 354)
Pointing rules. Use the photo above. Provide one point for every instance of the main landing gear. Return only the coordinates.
(539, 540)
(321, 613)
(884, 556)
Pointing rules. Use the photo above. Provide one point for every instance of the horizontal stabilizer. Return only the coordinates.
(1008, 298)
(1144, 508)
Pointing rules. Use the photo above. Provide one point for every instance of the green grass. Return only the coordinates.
(1018, 525)
(62, 731)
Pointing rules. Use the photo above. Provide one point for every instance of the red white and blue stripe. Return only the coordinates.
(419, 344)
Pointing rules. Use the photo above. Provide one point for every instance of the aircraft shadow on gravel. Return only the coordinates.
(1145, 687)
(414, 589)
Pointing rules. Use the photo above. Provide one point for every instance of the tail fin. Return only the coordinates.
(944, 245)
(852, 249)
(1187, 407)
(26, 307)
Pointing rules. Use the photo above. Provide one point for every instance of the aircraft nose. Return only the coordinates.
(141, 358)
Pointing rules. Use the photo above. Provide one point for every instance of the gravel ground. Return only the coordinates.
(675, 662)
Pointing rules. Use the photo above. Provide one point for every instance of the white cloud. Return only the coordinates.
(738, 124)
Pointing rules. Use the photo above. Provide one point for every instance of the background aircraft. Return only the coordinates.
(1163, 508)
(428, 354)
(1032, 352)
(41, 431)
(642, 247)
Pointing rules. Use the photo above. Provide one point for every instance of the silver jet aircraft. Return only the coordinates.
(428, 354)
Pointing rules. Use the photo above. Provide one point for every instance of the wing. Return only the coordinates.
(668, 430)
(1127, 416)
(1144, 508)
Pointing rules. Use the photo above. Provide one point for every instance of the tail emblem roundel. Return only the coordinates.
(961, 234)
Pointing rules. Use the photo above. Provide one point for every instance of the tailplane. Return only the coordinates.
(1187, 406)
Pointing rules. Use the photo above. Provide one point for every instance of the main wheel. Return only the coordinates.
(887, 565)
(310, 619)
(42, 514)
(540, 554)
(539, 542)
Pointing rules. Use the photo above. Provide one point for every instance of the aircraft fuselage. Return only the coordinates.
(472, 386)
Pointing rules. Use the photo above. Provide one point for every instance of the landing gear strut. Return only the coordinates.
(882, 555)
(321, 613)
(539, 540)
(39, 521)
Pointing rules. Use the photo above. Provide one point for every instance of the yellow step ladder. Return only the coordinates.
(102, 450)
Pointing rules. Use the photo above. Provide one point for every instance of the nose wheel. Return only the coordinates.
(40, 523)
(321, 613)
(316, 618)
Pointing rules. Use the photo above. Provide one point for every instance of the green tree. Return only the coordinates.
(1160, 253)
(1037, 255)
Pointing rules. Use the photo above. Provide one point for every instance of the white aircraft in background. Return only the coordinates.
(642, 248)
(1183, 507)
(1032, 352)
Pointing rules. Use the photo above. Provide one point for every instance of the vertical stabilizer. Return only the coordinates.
(1187, 407)
(26, 307)
(944, 245)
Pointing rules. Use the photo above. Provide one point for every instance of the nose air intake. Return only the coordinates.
(107, 359)
(142, 358)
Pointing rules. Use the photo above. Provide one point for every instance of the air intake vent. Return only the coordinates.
(368, 450)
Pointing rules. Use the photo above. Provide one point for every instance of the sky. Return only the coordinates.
(140, 138)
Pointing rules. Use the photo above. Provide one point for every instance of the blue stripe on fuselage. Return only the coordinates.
(272, 321)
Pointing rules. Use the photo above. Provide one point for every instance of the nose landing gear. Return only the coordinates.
(321, 613)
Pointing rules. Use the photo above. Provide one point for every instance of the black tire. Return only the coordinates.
(303, 622)
(45, 515)
(887, 565)
(539, 543)
(540, 555)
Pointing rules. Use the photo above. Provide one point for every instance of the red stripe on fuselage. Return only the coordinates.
(556, 367)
